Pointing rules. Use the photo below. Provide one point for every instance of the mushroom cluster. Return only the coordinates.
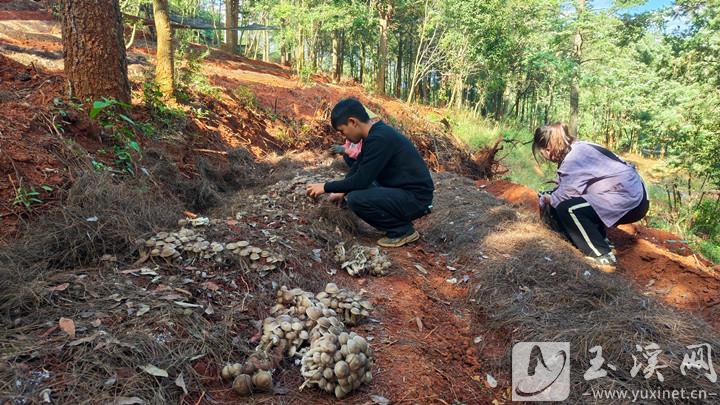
(338, 363)
(327, 324)
(351, 307)
(172, 245)
(285, 331)
(188, 242)
(255, 375)
(312, 327)
(299, 311)
(199, 221)
(293, 302)
(362, 259)
(262, 261)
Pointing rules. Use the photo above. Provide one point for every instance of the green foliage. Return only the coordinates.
(165, 120)
(711, 250)
(705, 220)
(246, 97)
(305, 74)
(28, 197)
(109, 114)
(516, 156)
(100, 166)
(189, 73)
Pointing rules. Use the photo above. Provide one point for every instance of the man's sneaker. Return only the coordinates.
(410, 237)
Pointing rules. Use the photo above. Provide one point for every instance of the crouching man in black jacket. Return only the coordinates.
(390, 185)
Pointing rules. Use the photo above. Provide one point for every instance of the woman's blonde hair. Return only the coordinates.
(555, 138)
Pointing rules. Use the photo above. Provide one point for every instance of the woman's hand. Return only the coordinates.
(337, 149)
(544, 199)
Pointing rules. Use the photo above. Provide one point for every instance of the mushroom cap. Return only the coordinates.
(243, 384)
(341, 369)
(262, 380)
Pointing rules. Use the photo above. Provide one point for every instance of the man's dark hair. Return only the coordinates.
(345, 109)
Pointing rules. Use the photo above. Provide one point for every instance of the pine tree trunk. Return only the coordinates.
(341, 62)
(164, 65)
(266, 45)
(313, 46)
(337, 61)
(458, 88)
(382, 58)
(385, 16)
(94, 50)
(300, 52)
(351, 62)
(574, 85)
(398, 69)
(362, 63)
(231, 18)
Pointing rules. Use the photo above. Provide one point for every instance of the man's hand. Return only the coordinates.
(315, 190)
(337, 149)
(337, 198)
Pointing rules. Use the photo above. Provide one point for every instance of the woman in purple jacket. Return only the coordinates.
(595, 190)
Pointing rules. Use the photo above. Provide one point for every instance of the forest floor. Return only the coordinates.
(444, 318)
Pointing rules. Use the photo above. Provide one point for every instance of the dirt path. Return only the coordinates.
(424, 340)
(654, 260)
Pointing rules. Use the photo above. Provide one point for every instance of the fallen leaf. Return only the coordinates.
(147, 272)
(68, 326)
(421, 269)
(419, 323)
(491, 381)
(45, 394)
(156, 371)
(211, 286)
(88, 339)
(49, 331)
(61, 287)
(143, 310)
(171, 297)
(186, 304)
(380, 400)
(182, 291)
(180, 382)
(110, 381)
(209, 310)
(108, 258)
(96, 323)
(128, 401)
